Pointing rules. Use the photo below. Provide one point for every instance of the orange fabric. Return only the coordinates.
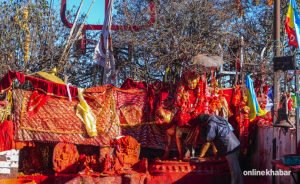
(21, 144)
(6, 136)
(16, 181)
(65, 157)
(127, 152)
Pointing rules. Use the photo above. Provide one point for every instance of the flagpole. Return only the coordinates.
(277, 74)
(297, 103)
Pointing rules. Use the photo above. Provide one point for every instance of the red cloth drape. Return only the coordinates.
(42, 85)
(36, 101)
(131, 84)
(6, 136)
(6, 81)
(51, 88)
(244, 135)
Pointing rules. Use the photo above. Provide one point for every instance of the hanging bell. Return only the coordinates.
(282, 120)
(283, 124)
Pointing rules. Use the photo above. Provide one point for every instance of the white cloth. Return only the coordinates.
(103, 52)
(69, 93)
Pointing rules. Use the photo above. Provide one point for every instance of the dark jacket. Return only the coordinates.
(217, 130)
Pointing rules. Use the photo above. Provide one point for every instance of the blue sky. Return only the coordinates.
(96, 15)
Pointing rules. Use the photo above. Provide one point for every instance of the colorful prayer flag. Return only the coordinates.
(292, 24)
(255, 109)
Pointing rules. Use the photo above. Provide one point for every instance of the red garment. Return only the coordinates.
(6, 135)
(189, 103)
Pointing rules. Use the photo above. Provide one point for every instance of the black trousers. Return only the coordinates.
(234, 166)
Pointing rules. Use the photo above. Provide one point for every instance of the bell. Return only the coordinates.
(283, 123)
(283, 119)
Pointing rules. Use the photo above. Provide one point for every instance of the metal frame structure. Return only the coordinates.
(113, 27)
(83, 41)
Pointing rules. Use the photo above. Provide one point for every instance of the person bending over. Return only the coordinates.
(218, 131)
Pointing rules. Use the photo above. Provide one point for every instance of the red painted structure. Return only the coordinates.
(208, 171)
(113, 27)
(81, 45)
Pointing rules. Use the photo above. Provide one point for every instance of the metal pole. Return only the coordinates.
(276, 86)
(277, 74)
(297, 104)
